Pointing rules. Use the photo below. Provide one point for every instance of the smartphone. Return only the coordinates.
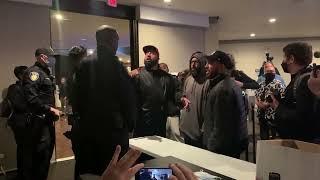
(154, 174)
(274, 176)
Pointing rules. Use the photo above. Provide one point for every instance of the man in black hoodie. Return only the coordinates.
(106, 104)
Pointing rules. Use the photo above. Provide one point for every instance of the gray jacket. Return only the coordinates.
(222, 127)
(195, 89)
(191, 120)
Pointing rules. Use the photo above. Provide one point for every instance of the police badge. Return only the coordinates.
(34, 76)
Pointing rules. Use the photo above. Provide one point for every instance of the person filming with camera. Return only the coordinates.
(297, 114)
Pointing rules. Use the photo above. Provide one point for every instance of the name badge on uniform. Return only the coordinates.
(34, 76)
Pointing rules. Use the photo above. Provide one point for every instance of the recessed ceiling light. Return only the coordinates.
(120, 59)
(272, 20)
(90, 51)
(167, 1)
(58, 17)
(252, 35)
(83, 39)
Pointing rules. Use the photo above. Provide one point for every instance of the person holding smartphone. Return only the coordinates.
(125, 168)
(268, 87)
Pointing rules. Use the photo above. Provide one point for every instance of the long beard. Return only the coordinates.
(195, 73)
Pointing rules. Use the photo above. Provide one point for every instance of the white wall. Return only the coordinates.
(24, 28)
(250, 55)
(175, 43)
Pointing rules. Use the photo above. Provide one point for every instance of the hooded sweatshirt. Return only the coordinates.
(194, 89)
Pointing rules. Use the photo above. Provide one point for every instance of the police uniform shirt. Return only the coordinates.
(39, 88)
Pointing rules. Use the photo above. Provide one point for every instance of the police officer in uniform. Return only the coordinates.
(39, 92)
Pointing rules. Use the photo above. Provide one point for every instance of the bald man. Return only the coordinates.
(106, 103)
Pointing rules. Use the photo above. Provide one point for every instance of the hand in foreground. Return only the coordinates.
(122, 170)
(181, 172)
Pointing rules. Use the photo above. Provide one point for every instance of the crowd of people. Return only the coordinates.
(204, 106)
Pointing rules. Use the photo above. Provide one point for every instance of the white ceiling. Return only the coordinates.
(239, 18)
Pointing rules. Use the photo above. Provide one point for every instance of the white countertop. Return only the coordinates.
(161, 147)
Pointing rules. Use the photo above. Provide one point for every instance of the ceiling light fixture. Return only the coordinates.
(83, 39)
(59, 17)
(120, 59)
(167, 1)
(252, 35)
(90, 51)
(272, 20)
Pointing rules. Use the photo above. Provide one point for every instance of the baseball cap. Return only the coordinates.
(45, 51)
(222, 58)
(150, 48)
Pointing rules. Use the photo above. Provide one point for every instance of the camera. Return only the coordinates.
(315, 68)
(268, 57)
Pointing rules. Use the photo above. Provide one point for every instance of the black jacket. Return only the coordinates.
(156, 89)
(158, 94)
(39, 89)
(222, 125)
(296, 117)
(18, 104)
(106, 99)
(248, 83)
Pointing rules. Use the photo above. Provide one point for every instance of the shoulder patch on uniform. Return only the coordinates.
(34, 76)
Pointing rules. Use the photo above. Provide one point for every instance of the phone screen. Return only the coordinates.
(154, 174)
(274, 176)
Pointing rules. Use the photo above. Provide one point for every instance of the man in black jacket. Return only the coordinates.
(296, 115)
(106, 104)
(156, 92)
(38, 89)
(222, 121)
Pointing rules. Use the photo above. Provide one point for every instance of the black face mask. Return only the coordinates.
(150, 64)
(285, 67)
(269, 77)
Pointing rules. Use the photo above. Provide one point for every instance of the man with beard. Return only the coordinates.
(222, 127)
(193, 100)
(106, 105)
(156, 91)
